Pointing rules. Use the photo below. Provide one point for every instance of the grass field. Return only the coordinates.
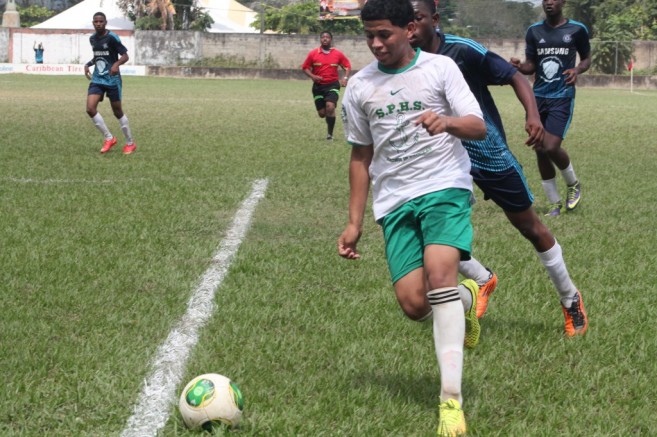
(100, 255)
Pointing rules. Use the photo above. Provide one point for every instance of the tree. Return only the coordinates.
(303, 18)
(165, 15)
(33, 15)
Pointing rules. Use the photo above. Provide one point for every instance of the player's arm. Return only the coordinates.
(525, 67)
(346, 65)
(533, 125)
(359, 186)
(572, 73)
(314, 77)
(468, 127)
(87, 73)
(116, 66)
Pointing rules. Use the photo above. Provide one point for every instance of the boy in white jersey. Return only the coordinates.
(404, 115)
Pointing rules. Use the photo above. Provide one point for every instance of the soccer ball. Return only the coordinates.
(210, 400)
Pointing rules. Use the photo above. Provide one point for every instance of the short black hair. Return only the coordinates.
(326, 32)
(431, 4)
(100, 14)
(399, 12)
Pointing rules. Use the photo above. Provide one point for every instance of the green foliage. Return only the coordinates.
(33, 15)
(303, 18)
(228, 61)
(148, 22)
(487, 18)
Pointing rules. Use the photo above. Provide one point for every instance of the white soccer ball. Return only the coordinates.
(210, 400)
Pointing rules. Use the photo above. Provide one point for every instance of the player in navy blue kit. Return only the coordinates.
(551, 53)
(494, 168)
(109, 55)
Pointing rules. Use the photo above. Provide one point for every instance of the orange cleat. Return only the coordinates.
(108, 144)
(577, 322)
(129, 148)
(484, 293)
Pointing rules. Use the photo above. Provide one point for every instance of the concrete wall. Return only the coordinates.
(4, 45)
(156, 48)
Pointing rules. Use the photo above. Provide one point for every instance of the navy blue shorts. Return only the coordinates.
(325, 93)
(508, 188)
(556, 114)
(113, 92)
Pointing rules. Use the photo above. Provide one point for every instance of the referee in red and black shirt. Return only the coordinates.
(321, 65)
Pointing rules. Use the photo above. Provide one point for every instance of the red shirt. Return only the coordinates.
(326, 64)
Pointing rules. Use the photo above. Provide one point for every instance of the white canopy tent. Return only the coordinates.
(228, 16)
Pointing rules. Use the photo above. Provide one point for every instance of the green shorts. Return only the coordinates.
(441, 217)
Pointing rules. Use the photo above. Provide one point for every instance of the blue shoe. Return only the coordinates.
(554, 210)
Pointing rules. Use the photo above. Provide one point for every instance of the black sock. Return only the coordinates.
(330, 122)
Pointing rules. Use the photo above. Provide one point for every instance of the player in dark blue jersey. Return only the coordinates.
(109, 55)
(494, 168)
(551, 53)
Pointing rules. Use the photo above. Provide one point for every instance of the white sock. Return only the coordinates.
(550, 188)
(101, 126)
(553, 261)
(569, 175)
(125, 127)
(473, 269)
(466, 297)
(448, 335)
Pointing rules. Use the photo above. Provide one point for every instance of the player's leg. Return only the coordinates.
(509, 190)
(95, 95)
(318, 99)
(114, 95)
(331, 97)
(556, 116)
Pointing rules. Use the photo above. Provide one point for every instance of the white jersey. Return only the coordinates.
(379, 108)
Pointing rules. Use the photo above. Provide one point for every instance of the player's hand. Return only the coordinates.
(515, 62)
(434, 123)
(534, 129)
(317, 79)
(347, 242)
(87, 73)
(571, 76)
(343, 83)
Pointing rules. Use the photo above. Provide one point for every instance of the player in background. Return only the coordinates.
(551, 53)
(494, 168)
(321, 65)
(404, 115)
(109, 55)
(38, 52)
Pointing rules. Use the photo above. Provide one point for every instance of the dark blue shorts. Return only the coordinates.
(508, 188)
(556, 114)
(325, 93)
(113, 92)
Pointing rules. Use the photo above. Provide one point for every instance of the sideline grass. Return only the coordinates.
(101, 253)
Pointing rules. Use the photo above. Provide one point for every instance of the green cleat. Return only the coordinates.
(452, 419)
(472, 328)
(573, 196)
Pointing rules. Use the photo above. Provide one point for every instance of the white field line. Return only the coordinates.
(151, 411)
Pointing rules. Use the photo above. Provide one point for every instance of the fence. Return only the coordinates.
(157, 48)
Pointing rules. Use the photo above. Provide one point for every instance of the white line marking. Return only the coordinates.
(151, 412)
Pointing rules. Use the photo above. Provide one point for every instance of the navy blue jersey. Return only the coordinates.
(107, 50)
(554, 50)
(480, 69)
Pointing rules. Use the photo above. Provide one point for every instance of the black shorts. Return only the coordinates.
(113, 92)
(556, 114)
(508, 188)
(325, 93)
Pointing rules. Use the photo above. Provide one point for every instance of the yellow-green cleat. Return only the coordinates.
(472, 327)
(452, 420)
